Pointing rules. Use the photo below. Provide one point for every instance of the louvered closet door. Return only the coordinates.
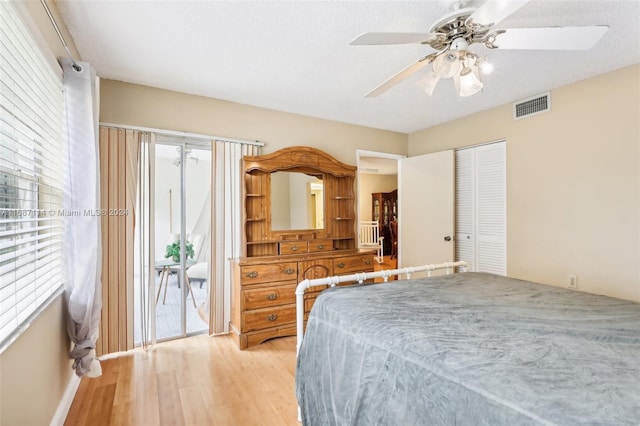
(481, 208)
(465, 208)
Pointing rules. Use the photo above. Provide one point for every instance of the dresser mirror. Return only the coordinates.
(297, 201)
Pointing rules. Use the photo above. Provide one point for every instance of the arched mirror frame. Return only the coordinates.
(339, 201)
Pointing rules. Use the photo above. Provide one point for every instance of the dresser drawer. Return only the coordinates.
(293, 247)
(350, 264)
(253, 274)
(269, 296)
(320, 245)
(259, 319)
(312, 269)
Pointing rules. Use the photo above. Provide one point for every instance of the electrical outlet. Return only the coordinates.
(573, 281)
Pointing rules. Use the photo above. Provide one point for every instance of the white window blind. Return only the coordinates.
(31, 175)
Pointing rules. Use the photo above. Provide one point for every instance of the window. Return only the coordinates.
(31, 176)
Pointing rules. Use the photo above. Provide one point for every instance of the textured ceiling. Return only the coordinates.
(295, 56)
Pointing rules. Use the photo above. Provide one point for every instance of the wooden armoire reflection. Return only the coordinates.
(384, 210)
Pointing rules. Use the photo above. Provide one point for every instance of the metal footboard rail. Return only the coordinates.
(360, 278)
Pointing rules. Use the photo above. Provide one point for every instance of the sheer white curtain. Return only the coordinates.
(144, 275)
(226, 224)
(81, 242)
(200, 235)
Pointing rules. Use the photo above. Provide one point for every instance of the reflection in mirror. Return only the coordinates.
(297, 201)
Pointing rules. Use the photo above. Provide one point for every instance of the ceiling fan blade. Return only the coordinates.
(405, 73)
(393, 38)
(494, 11)
(551, 38)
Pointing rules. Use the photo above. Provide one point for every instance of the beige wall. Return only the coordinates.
(35, 370)
(573, 182)
(135, 105)
(369, 183)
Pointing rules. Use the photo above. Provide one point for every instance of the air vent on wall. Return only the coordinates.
(531, 106)
(368, 170)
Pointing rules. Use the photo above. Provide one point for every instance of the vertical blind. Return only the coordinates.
(31, 175)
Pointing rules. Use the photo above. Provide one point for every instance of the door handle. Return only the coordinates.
(447, 238)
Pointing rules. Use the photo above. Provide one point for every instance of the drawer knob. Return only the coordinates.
(252, 274)
(341, 265)
(272, 296)
(294, 248)
(272, 317)
(289, 271)
(367, 261)
(320, 246)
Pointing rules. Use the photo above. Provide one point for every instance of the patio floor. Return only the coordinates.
(168, 313)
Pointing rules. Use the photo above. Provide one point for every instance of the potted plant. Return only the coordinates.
(173, 251)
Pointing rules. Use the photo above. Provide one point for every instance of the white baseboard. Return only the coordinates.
(67, 399)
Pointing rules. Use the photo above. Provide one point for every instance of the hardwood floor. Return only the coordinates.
(200, 380)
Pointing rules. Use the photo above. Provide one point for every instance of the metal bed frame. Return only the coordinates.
(360, 278)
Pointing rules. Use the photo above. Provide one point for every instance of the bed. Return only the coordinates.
(469, 349)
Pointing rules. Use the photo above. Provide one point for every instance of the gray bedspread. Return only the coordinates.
(469, 349)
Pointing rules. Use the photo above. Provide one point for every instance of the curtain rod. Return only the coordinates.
(182, 134)
(76, 66)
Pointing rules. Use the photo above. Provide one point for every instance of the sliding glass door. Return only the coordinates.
(180, 214)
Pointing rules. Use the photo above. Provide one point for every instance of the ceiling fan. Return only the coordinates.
(454, 33)
(187, 155)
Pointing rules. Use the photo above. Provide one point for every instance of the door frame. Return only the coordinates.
(376, 154)
(182, 144)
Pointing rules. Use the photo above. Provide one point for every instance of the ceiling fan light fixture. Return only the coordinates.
(447, 64)
(428, 82)
(469, 83)
(459, 44)
(486, 67)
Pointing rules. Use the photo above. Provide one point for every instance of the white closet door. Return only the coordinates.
(491, 189)
(425, 205)
(465, 208)
(481, 208)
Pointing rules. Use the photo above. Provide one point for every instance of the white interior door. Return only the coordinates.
(426, 209)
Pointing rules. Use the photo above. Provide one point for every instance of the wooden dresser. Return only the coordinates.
(276, 257)
(264, 300)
